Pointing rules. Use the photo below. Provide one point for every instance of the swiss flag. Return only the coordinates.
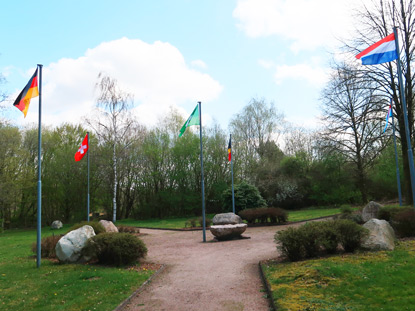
(82, 150)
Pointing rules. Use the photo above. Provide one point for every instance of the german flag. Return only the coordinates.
(22, 102)
(230, 150)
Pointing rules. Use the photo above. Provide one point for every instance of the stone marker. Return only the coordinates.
(226, 219)
(57, 224)
(370, 211)
(226, 232)
(381, 235)
(108, 226)
(69, 247)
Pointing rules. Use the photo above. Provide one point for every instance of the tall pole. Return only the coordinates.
(398, 177)
(87, 200)
(405, 116)
(233, 192)
(203, 182)
(39, 174)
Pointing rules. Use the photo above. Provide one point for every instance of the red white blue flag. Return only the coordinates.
(387, 118)
(381, 52)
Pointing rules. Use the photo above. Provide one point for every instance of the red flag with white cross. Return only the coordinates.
(82, 150)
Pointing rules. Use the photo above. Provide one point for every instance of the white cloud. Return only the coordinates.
(307, 23)
(199, 63)
(156, 74)
(314, 75)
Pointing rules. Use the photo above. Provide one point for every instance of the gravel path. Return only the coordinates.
(211, 276)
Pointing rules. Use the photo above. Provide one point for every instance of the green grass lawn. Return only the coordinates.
(364, 281)
(311, 213)
(56, 286)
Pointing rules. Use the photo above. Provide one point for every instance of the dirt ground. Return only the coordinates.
(211, 276)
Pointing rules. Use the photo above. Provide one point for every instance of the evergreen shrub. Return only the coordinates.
(404, 223)
(310, 233)
(117, 249)
(350, 234)
(246, 196)
(290, 243)
(98, 228)
(329, 236)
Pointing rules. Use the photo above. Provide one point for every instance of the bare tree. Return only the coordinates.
(376, 21)
(352, 121)
(113, 124)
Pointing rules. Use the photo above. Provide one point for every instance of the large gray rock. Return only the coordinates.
(226, 219)
(225, 232)
(370, 211)
(381, 235)
(108, 226)
(69, 248)
(57, 224)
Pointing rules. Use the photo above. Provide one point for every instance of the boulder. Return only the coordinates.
(226, 219)
(225, 232)
(370, 211)
(108, 226)
(57, 224)
(69, 248)
(381, 235)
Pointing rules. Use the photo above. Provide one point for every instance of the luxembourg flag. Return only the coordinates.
(381, 52)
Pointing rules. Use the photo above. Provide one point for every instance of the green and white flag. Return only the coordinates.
(192, 120)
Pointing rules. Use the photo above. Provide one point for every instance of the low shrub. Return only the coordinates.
(207, 221)
(329, 237)
(311, 239)
(346, 210)
(264, 215)
(128, 229)
(47, 246)
(98, 228)
(289, 242)
(116, 248)
(350, 234)
(404, 223)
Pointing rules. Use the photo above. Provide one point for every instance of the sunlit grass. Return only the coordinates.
(56, 286)
(364, 281)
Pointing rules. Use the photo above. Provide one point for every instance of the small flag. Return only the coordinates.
(230, 149)
(22, 101)
(387, 118)
(192, 120)
(381, 52)
(82, 150)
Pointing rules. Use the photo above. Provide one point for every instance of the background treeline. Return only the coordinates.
(159, 173)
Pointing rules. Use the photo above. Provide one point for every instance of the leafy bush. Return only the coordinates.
(404, 223)
(98, 228)
(116, 248)
(128, 229)
(47, 246)
(207, 221)
(246, 196)
(277, 215)
(350, 234)
(290, 243)
(346, 210)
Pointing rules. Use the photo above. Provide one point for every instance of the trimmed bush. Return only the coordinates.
(98, 228)
(310, 233)
(246, 196)
(289, 242)
(128, 229)
(404, 223)
(117, 249)
(350, 234)
(47, 246)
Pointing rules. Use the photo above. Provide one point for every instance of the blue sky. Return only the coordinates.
(172, 54)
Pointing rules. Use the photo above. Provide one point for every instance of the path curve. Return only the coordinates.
(211, 276)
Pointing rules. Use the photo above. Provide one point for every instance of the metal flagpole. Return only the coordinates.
(396, 158)
(201, 165)
(405, 116)
(87, 202)
(39, 173)
(233, 193)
